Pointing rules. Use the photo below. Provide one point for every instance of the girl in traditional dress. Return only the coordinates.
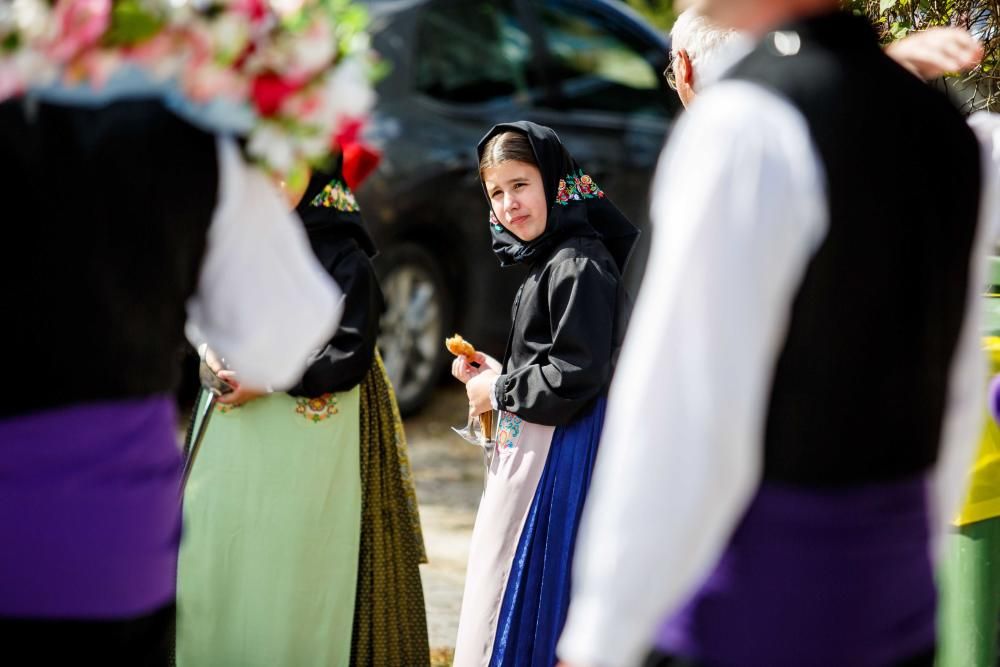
(302, 539)
(568, 322)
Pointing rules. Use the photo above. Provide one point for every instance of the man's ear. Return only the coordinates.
(685, 72)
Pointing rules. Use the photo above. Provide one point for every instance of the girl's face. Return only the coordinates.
(518, 198)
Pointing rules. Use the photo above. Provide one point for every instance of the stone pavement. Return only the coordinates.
(449, 478)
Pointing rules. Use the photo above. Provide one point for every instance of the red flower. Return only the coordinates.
(269, 91)
(347, 134)
(359, 162)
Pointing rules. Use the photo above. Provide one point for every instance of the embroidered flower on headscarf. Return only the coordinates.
(338, 196)
(495, 222)
(577, 187)
(562, 196)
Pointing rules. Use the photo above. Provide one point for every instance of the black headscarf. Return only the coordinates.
(328, 208)
(579, 206)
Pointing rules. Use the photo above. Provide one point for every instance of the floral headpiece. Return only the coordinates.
(293, 75)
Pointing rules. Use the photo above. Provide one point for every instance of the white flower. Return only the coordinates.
(230, 34)
(314, 145)
(32, 18)
(269, 143)
(286, 7)
(347, 91)
(312, 51)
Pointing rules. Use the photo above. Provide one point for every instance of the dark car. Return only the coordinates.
(590, 69)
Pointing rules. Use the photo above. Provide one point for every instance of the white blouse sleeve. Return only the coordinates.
(263, 300)
(739, 209)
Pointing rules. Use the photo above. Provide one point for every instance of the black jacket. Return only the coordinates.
(342, 244)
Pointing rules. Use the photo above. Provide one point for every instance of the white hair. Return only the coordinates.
(702, 40)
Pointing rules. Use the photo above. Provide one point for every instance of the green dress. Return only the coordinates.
(268, 564)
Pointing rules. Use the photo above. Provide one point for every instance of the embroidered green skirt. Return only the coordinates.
(268, 565)
(390, 622)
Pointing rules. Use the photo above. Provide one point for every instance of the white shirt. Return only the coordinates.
(740, 209)
(263, 300)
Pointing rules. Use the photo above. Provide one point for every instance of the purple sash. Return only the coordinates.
(89, 510)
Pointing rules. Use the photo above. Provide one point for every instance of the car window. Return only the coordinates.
(472, 52)
(596, 66)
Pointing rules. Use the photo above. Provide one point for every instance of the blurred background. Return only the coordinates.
(590, 69)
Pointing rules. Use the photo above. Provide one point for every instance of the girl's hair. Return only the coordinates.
(504, 147)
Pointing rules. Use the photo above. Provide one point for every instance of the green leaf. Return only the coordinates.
(11, 42)
(131, 23)
(885, 5)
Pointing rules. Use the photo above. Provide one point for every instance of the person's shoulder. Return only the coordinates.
(579, 255)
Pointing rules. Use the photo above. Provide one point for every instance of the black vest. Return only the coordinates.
(105, 214)
(859, 389)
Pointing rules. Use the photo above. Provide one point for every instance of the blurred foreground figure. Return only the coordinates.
(816, 399)
(130, 215)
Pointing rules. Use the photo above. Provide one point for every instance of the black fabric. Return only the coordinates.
(143, 641)
(106, 212)
(341, 242)
(657, 658)
(590, 217)
(860, 385)
(339, 223)
(570, 313)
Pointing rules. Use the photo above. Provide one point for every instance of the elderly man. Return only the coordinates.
(817, 400)
(701, 52)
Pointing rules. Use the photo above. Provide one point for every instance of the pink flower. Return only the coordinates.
(207, 80)
(255, 10)
(269, 91)
(11, 80)
(81, 24)
(96, 67)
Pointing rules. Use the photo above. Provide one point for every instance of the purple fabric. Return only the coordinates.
(89, 510)
(995, 398)
(819, 578)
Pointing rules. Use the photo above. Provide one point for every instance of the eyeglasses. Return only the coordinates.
(670, 75)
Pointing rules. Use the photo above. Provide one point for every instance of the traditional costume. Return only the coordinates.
(301, 525)
(796, 402)
(568, 321)
(147, 212)
(140, 221)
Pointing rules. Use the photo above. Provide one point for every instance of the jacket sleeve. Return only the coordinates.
(346, 358)
(581, 305)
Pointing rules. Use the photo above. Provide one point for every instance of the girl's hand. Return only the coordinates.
(463, 370)
(241, 394)
(486, 361)
(479, 389)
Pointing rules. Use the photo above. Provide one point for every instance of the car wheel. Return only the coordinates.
(418, 308)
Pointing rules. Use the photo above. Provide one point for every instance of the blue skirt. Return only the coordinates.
(536, 599)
